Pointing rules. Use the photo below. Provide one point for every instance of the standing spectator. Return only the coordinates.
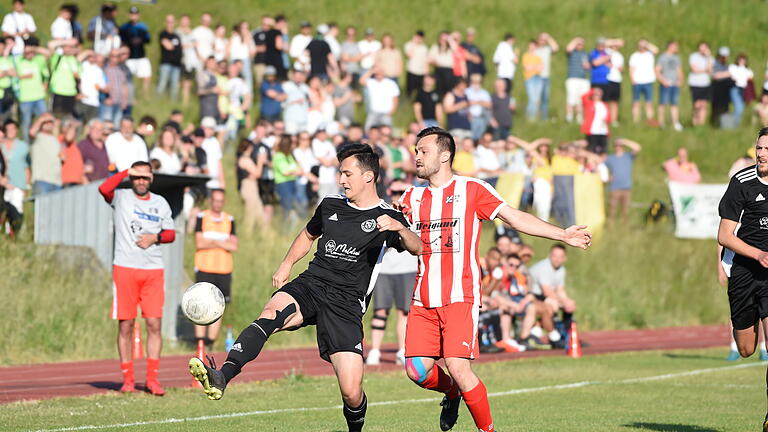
(125, 147)
(479, 106)
(281, 24)
(459, 58)
(125, 53)
(475, 57)
(642, 73)
(18, 25)
(506, 57)
(32, 71)
(620, 186)
(171, 50)
(72, 167)
(383, 97)
(681, 169)
(142, 221)
(241, 48)
(92, 84)
(208, 90)
(103, 31)
(239, 101)
(8, 76)
(220, 43)
(368, 47)
(61, 28)
(441, 55)
(272, 95)
(296, 104)
(532, 67)
(136, 35)
(456, 106)
(741, 74)
(344, 99)
(117, 91)
(286, 172)
(327, 175)
(190, 61)
(46, 155)
(259, 37)
(166, 152)
(248, 174)
(331, 37)
(298, 47)
(17, 158)
(612, 92)
(389, 59)
(213, 154)
(274, 53)
(203, 38)
(427, 107)
(600, 63)
(215, 240)
(94, 152)
(417, 66)
(487, 161)
(502, 107)
(351, 55)
(597, 117)
(577, 83)
(721, 86)
(66, 71)
(700, 82)
(669, 72)
(306, 182)
(547, 45)
(322, 62)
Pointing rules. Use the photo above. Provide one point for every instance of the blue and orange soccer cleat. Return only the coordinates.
(212, 379)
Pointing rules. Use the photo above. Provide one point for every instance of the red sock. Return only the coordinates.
(152, 367)
(440, 381)
(127, 370)
(477, 402)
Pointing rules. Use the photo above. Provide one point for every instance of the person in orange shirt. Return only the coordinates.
(215, 240)
(72, 166)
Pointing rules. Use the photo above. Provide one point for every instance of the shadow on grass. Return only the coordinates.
(693, 356)
(105, 385)
(668, 427)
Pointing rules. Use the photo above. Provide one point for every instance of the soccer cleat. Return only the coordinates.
(374, 357)
(490, 349)
(510, 347)
(450, 412)
(154, 388)
(733, 356)
(212, 379)
(765, 424)
(128, 387)
(560, 344)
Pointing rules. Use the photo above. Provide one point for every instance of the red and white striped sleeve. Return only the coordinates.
(488, 203)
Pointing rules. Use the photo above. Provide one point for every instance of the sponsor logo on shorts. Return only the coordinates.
(359, 346)
(368, 225)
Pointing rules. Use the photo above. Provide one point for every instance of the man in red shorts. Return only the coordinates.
(447, 214)
(142, 221)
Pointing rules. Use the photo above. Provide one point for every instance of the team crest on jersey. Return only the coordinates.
(330, 246)
(764, 223)
(368, 225)
(452, 199)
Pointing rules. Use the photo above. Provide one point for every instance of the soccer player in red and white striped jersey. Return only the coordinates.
(442, 323)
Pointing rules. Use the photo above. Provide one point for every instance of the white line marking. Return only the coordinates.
(408, 401)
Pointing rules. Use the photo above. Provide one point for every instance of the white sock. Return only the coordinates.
(554, 336)
(762, 349)
(734, 347)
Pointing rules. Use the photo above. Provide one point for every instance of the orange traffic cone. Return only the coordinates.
(138, 349)
(201, 355)
(574, 346)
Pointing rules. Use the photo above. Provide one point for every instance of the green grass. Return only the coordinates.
(634, 276)
(721, 399)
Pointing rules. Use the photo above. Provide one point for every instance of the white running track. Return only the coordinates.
(408, 401)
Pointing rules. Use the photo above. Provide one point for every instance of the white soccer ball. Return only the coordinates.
(203, 303)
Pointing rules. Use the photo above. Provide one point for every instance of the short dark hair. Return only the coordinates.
(366, 158)
(558, 246)
(515, 256)
(141, 163)
(443, 139)
(763, 132)
(215, 190)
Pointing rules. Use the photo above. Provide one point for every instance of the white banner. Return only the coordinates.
(695, 208)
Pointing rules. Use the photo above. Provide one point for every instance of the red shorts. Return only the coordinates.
(132, 287)
(446, 331)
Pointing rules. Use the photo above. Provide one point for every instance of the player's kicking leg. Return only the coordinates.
(280, 313)
(349, 371)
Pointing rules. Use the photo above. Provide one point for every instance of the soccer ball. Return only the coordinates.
(203, 303)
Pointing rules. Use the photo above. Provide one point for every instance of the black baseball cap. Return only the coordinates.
(199, 132)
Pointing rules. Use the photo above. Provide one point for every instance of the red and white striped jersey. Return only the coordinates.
(448, 220)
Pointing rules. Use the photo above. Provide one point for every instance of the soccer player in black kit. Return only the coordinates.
(355, 230)
(746, 202)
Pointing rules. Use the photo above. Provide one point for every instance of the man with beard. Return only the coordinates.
(142, 221)
(743, 233)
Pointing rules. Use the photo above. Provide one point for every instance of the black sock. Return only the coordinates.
(567, 320)
(246, 348)
(356, 416)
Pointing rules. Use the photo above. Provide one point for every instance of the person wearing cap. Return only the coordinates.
(171, 52)
(135, 34)
(272, 96)
(721, 86)
(700, 82)
(298, 47)
(19, 25)
(368, 48)
(417, 66)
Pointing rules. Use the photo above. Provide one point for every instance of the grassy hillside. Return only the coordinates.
(634, 276)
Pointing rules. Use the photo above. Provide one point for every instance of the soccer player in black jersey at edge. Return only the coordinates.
(333, 293)
(746, 249)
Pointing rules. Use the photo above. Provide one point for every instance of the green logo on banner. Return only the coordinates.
(687, 202)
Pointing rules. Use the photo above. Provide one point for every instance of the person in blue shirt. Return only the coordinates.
(135, 34)
(620, 185)
(272, 96)
(600, 61)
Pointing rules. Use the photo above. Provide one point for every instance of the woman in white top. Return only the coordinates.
(441, 55)
(306, 183)
(317, 97)
(166, 152)
(740, 74)
(220, 43)
(241, 47)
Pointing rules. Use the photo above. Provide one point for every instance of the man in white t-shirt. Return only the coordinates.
(487, 161)
(298, 47)
(213, 154)
(368, 48)
(92, 82)
(642, 73)
(383, 97)
(203, 38)
(700, 82)
(19, 25)
(325, 153)
(125, 147)
(505, 57)
(61, 28)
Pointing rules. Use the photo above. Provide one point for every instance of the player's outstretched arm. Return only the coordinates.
(576, 235)
(728, 239)
(408, 238)
(299, 248)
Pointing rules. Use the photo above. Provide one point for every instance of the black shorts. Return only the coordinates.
(222, 281)
(394, 289)
(597, 143)
(337, 314)
(701, 93)
(63, 105)
(747, 294)
(267, 192)
(188, 74)
(612, 92)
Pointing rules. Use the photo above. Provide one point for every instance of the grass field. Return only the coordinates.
(634, 276)
(684, 391)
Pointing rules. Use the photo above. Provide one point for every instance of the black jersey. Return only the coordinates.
(746, 201)
(351, 247)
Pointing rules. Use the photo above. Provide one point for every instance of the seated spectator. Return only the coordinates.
(125, 147)
(46, 155)
(427, 107)
(93, 152)
(166, 152)
(596, 120)
(72, 167)
(464, 160)
(761, 110)
(383, 97)
(487, 161)
(680, 169)
(548, 287)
